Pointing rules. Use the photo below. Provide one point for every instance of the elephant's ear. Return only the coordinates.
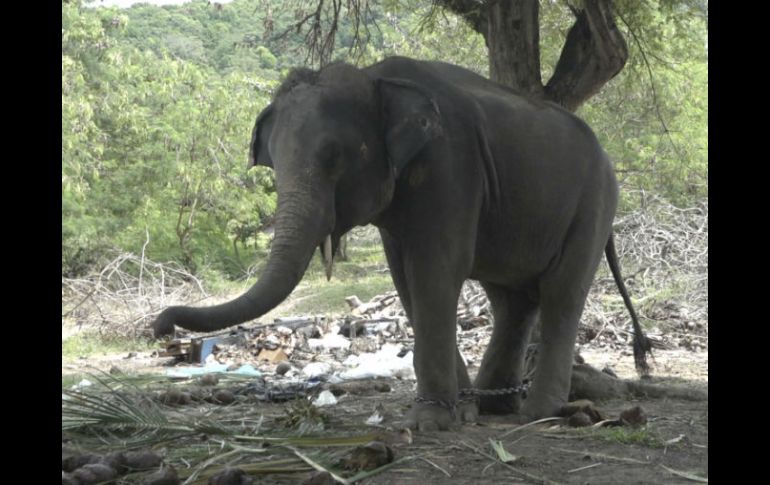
(258, 153)
(412, 119)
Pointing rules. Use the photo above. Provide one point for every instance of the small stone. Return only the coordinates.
(369, 456)
(94, 473)
(73, 462)
(142, 460)
(231, 476)
(209, 380)
(223, 396)
(165, 476)
(175, 397)
(320, 478)
(633, 417)
(115, 460)
(579, 420)
(282, 368)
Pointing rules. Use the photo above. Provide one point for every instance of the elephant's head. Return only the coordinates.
(337, 140)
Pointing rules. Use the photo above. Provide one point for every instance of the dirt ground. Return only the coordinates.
(673, 444)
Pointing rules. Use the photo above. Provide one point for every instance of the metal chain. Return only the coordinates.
(471, 394)
(451, 405)
(520, 389)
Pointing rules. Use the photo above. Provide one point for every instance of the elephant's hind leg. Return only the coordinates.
(515, 314)
(563, 292)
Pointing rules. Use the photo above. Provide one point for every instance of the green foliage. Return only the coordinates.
(153, 151)
(93, 343)
(158, 105)
(629, 436)
(653, 117)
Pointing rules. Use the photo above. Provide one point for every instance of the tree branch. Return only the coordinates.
(652, 86)
(594, 52)
(473, 11)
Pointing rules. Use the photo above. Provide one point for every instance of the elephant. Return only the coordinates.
(464, 178)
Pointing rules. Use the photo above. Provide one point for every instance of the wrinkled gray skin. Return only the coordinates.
(464, 179)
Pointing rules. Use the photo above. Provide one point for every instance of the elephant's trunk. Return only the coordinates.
(302, 222)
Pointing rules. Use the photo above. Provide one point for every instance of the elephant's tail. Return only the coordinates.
(642, 344)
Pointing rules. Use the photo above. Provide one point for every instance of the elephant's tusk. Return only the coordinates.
(328, 257)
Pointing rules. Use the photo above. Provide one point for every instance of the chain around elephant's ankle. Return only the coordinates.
(450, 405)
(520, 389)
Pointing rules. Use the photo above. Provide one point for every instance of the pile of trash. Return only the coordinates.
(293, 355)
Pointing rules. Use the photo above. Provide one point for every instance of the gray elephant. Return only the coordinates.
(464, 178)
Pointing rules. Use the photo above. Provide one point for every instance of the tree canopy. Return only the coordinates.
(158, 104)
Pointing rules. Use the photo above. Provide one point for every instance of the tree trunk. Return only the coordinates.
(593, 53)
(513, 40)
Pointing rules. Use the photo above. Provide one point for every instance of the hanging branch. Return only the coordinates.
(652, 86)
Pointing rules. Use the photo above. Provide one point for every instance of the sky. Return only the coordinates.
(128, 3)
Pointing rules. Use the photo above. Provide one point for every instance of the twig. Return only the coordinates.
(318, 467)
(528, 425)
(601, 455)
(686, 475)
(574, 470)
(435, 466)
(141, 265)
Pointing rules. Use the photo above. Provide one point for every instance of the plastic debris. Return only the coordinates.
(82, 384)
(375, 418)
(329, 341)
(326, 398)
(384, 363)
(210, 368)
(280, 391)
(316, 369)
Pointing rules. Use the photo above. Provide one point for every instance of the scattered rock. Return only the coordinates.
(231, 476)
(579, 420)
(165, 476)
(582, 406)
(115, 460)
(175, 397)
(71, 462)
(142, 459)
(94, 473)
(320, 478)
(633, 417)
(282, 368)
(223, 396)
(209, 380)
(368, 457)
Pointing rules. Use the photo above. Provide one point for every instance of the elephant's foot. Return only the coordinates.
(468, 411)
(431, 417)
(534, 409)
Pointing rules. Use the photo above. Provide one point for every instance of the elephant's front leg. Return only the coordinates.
(434, 307)
(468, 411)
